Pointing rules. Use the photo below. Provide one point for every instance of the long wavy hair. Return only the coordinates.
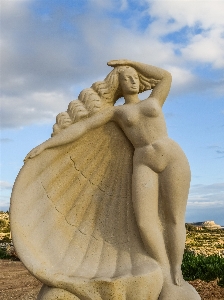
(104, 93)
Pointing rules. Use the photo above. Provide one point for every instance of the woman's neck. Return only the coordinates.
(131, 99)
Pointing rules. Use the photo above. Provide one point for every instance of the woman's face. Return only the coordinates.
(129, 81)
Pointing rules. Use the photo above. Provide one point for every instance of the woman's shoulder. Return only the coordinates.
(151, 101)
(118, 109)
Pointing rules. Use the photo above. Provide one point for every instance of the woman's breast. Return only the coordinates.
(129, 117)
(150, 108)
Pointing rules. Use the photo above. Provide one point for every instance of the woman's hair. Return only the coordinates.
(91, 100)
(77, 110)
(63, 120)
(103, 93)
(110, 91)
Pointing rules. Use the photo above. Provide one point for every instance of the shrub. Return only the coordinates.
(6, 239)
(206, 268)
(4, 254)
(190, 227)
(2, 223)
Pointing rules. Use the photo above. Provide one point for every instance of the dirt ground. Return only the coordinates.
(16, 283)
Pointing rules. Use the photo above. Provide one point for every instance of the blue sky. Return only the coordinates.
(51, 50)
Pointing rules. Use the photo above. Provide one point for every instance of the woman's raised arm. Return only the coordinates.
(161, 90)
(74, 131)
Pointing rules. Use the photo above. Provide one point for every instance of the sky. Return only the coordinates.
(51, 50)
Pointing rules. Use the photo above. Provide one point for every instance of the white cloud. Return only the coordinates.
(189, 12)
(181, 78)
(43, 64)
(211, 195)
(37, 107)
(206, 48)
(13, 7)
(5, 185)
(206, 202)
(206, 17)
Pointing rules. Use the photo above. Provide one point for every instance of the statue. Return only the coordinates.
(98, 209)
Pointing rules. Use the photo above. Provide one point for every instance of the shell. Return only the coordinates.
(71, 211)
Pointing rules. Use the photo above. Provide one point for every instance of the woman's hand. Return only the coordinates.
(119, 62)
(34, 152)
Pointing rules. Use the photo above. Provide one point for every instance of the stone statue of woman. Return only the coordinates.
(148, 231)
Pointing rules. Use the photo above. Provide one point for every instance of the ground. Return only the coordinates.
(205, 242)
(16, 283)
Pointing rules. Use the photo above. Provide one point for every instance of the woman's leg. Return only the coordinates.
(145, 202)
(52, 293)
(174, 187)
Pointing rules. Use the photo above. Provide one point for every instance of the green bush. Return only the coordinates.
(8, 253)
(4, 254)
(202, 267)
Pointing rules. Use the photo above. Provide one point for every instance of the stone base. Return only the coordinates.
(144, 287)
(131, 288)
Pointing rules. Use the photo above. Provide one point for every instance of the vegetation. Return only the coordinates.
(202, 267)
(4, 224)
(204, 255)
(4, 254)
(205, 242)
(6, 249)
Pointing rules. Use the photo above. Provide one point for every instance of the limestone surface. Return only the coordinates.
(97, 211)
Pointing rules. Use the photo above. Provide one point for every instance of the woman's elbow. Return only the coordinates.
(167, 75)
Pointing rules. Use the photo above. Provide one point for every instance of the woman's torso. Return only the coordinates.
(143, 123)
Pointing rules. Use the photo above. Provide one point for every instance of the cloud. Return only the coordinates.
(5, 188)
(182, 79)
(36, 107)
(6, 140)
(218, 150)
(211, 195)
(202, 36)
(50, 51)
(206, 48)
(4, 203)
(213, 146)
(185, 13)
(5, 185)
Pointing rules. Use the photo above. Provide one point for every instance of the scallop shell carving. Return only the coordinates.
(71, 211)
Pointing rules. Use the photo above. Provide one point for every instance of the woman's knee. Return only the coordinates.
(146, 224)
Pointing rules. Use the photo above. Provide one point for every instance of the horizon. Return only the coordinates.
(50, 51)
